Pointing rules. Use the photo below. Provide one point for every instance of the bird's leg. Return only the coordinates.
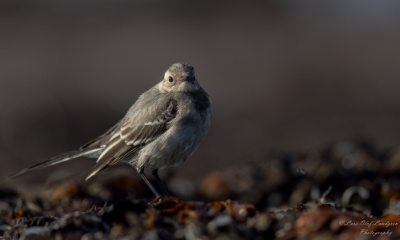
(160, 183)
(146, 180)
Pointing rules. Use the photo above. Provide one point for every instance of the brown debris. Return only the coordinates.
(334, 196)
(65, 192)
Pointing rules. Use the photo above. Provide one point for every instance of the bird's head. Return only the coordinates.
(179, 78)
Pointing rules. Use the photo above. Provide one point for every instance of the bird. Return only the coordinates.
(161, 129)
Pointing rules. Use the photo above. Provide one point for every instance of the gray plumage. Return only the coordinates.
(162, 128)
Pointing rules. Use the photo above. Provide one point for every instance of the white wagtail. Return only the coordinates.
(162, 129)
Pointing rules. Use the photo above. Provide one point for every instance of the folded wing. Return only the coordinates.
(134, 133)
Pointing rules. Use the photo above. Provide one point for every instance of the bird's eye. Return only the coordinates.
(170, 79)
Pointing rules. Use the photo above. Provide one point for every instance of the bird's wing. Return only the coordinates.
(98, 142)
(134, 133)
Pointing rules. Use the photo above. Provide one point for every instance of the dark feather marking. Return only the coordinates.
(200, 99)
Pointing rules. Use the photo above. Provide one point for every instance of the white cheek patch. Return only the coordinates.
(163, 88)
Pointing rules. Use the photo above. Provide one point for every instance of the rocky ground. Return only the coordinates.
(347, 190)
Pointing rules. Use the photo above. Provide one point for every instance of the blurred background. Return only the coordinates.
(281, 74)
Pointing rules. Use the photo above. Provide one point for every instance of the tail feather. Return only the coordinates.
(92, 174)
(56, 160)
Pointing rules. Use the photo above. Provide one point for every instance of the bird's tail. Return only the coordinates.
(56, 160)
